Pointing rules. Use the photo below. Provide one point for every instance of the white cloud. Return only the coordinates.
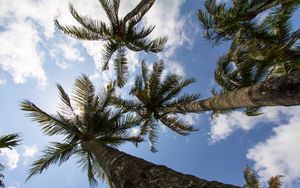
(224, 125)
(174, 68)
(2, 81)
(28, 24)
(279, 154)
(11, 158)
(18, 52)
(168, 23)
(15, 185)
(25, 24)
(29, 152)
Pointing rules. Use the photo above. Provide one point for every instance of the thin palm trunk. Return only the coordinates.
(281, 91)
(127, 171)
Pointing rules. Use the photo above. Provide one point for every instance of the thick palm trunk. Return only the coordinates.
(127, 171)
(281, 91)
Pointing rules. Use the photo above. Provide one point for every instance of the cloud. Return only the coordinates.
(169, 23)
(26, 26)
(224, 125)
(11, 158)
(15, 185)
(29, 152)
(2, 81)
(29, 34)
(18, 52)
(279, 154)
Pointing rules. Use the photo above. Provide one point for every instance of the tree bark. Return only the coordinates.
(127, 171)
(281, 91)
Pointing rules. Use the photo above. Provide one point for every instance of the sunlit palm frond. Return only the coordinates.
(84, 92)
(51, 125)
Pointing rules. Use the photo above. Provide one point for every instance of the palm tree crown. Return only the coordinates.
(120, 32)
(84, 117)
(223, 22)
(154, 94)
(260, 48)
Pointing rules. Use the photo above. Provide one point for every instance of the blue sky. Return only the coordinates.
(34, 56)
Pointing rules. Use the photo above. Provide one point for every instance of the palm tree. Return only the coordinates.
(120, 33)
(91, 129)
(86, 117)
(258, 51)
(151, 94)
(267, 49)
(252, 182)
(7, 141)
(221, 22)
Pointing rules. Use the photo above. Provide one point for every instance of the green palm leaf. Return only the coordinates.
(9, 141)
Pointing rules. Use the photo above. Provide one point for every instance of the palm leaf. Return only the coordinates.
(80, 32)
(9, 141)
(121, 68)
(56, 153)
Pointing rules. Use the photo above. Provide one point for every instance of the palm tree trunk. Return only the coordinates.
(127, 171)
(281, 91)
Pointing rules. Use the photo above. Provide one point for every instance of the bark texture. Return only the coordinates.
(281, 91)
(127, 171)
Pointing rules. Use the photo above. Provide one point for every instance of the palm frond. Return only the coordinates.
(83, 92)
(121, 68)
(153, 137)
(56, 153)
(177, 125)
(110, 10)
(109, 49)
(174, 92)
(98, 27)
(51, 125)
(80, 32)
(154, 79)
(9, 141)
